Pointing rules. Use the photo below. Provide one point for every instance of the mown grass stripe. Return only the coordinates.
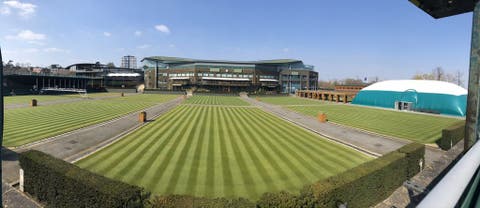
(264, 143)
(226, 157)
(223, 151)
(175, 153)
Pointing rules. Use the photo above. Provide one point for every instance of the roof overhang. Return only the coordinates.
(177, 60)
(445, 8)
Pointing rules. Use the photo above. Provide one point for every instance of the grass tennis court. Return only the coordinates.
(219, 151)
(416, 127)
(26, 125)
(216, 100)
(25, 99)
(287, 100)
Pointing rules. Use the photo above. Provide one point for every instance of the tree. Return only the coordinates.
(439, 74)
(110, 65)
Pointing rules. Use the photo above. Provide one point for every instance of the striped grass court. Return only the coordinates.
(25, 125)
(216, 100)
(217, 151)
(416, 127)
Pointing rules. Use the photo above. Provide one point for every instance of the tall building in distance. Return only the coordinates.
(129, 62)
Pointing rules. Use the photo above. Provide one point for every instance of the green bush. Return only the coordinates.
(60, 184)
(370, 183)
(415, 155)
(451, 135)
(172, 201)
(363, 186)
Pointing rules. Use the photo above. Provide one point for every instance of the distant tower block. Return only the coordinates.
(142, 117)
(33, 103)
(322, 117)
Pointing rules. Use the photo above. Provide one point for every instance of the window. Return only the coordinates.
(237, 70)
(214, 69)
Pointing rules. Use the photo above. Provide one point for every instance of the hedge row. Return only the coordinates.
(172, 201)
(363, 186)
(451, 136)
(60, 184)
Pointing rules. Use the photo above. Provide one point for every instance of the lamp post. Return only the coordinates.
(445, 8)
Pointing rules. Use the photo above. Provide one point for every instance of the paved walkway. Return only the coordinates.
(76, 144)
(14, 198)
(413, 191)
(372, 144)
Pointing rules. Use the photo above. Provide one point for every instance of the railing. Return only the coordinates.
(449, 191)
(6, 73)
(64, 89)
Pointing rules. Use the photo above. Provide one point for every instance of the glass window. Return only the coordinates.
(214, 69)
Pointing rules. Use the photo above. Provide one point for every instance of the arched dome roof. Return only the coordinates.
(421, 86)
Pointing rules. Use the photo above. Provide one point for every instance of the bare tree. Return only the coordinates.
(438, 73)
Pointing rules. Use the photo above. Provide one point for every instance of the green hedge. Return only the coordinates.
(363, 186)
(60, 184)
(451, 135)
(172, 201)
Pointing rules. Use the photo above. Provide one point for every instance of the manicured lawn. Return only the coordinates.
(218, 151)
(25, 99)
(286, 100)
(216, 100)
(416, 127)
(26, 125)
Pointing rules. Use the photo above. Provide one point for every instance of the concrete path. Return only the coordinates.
(78, 143)
(14, 198)
(413, 191)
(53, 102)
(372, 144)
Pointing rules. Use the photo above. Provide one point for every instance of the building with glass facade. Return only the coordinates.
(129, 62)
(279, 75)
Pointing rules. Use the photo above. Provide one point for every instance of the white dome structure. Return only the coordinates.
(417, 95)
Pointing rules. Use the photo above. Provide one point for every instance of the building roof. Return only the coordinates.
(423, 86)
(444, 8)
(177, 60)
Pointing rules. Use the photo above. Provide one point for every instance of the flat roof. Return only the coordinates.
(178, 60)
(445, 8)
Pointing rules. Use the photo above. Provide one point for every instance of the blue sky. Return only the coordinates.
(390, 39)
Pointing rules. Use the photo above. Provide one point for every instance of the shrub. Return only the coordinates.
(415, 155)
(451, 135)
(279, 200)
(186, 201)
(370, 183)
(60, 184)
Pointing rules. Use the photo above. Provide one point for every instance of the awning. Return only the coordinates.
(123, 75)
(268, 80)
(179, 78)
(225, 79)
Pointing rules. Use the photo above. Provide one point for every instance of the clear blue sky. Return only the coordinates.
(391, 39)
